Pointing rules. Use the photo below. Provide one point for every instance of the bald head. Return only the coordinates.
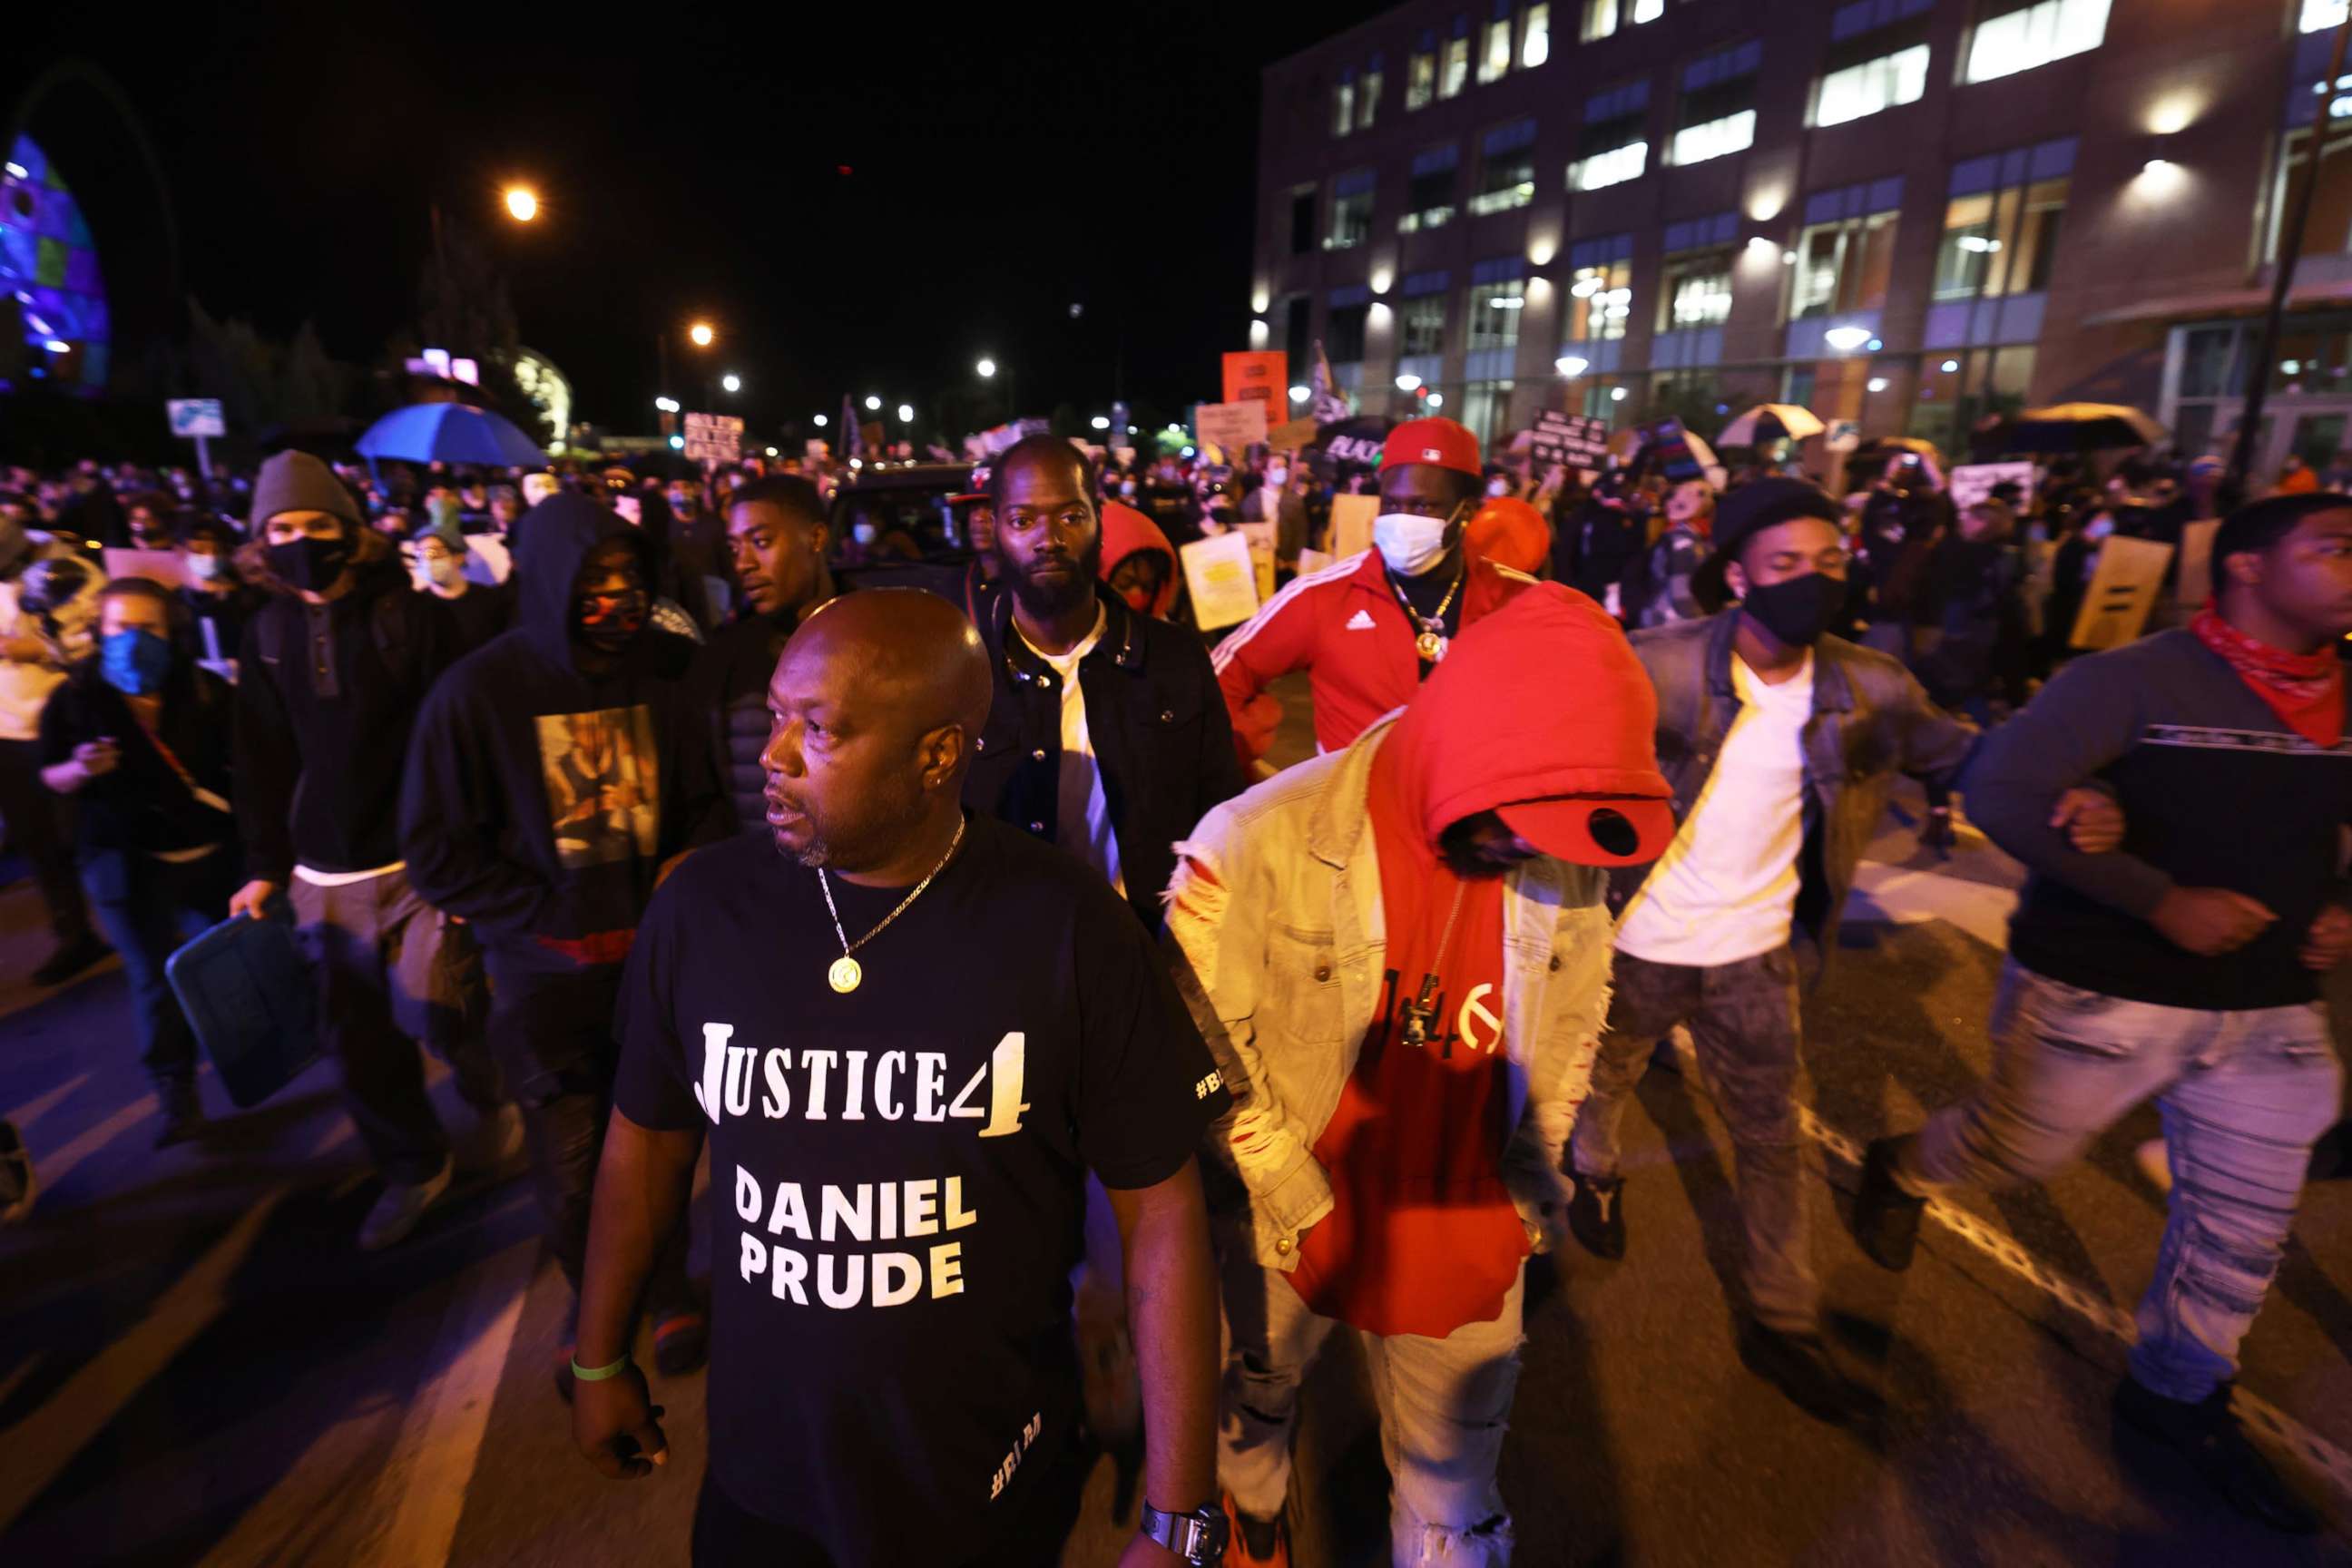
(873, 712)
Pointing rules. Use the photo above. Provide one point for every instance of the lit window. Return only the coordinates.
(1599, 303)
(1610, 168)
(1695, 291)
(1494, 50)
(2034, 35)
(1534, 40)
(1874, 85)
(1491, 312)
(1351, 215)
(1368, 97)
(1455, 67)
(1485, 408)
(1429, 194)
(1420, 326)
(1509, 178)
(1999, 243)
(1419, 79)
(1714, 138)
(1603, 17)
(1843, 265)
(2320, 14)
(1343, 107)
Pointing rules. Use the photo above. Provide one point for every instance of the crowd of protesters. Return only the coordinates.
(1040, 1035)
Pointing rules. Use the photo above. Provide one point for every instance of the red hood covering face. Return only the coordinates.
(1540, 701)
(1126, 530)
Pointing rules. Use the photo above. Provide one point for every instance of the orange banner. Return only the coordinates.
(1260, 378)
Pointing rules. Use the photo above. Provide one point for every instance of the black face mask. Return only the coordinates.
(310, 563)
(1798, 611)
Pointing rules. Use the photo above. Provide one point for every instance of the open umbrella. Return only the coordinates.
(1769, 422)
(2079, 427)
(450, 433)
(1874, 453)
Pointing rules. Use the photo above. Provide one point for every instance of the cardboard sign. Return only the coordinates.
(1570, 441)
(1972, 482)
(1311, 562)
(195, 417)
(1352, 524)
(1222, 579)
(1263, 378)
(1231, 426)
(2122, 592)
(162, 566)
(2195, 584)
(713, 437)
(1291, 435)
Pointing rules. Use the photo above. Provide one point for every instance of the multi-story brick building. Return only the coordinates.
(1901, 212)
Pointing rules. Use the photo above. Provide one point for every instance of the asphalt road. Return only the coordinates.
(197, 1368)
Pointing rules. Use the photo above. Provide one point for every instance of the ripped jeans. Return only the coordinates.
(2243, 1095)
(1444, 1406)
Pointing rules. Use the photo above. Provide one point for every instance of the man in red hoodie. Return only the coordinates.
(1400, 953)
(1369, 629)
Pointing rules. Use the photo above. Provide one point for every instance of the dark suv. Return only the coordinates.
(913, 499)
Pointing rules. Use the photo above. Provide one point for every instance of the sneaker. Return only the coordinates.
(1798, 1365)
(1935, 835)
(681, 1343)
(1885, 1217)
(1596, 1214)
(71, 960)
(497, 1138)
(2209, 1436)
(19, 1185)
(1255, 1543)
(403, 1204)
(2155, 1164)
(184, 1113)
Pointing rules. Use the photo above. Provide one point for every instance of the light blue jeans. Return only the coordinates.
(2243, 1095)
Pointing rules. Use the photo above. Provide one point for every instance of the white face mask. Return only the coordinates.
(1126, 487)
(1409, 542)
(863, 532)
(443, 570)
(1277, 478)
(204, 568)
(1499, 487)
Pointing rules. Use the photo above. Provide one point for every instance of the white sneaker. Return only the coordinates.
(2155, 1164)
(496, 1138)
(403, 1204)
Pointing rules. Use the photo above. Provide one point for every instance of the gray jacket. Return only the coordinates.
(1871, 721)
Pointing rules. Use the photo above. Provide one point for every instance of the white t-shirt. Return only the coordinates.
(1727, 887)
(1082, 815)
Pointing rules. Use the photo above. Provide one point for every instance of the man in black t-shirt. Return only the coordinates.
(908, 1034)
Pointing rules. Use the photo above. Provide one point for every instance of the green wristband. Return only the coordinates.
(599, 1374)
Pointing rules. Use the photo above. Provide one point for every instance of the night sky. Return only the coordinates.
(1003, 163)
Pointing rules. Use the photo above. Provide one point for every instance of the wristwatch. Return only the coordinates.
(1198, 1536)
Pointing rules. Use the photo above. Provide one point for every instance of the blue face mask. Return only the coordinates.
(134, 661)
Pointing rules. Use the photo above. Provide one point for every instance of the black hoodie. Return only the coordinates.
(541, 801)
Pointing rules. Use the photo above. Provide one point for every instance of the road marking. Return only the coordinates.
(441, 1442)
(53, 1168)
(32, 1109)
(1913, 897)
(41, 1445)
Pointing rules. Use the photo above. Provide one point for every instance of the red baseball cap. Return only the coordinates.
(1434, 439)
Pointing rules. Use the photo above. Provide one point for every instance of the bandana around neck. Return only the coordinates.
(2305, 689)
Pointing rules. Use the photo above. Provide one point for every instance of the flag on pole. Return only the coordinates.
(1329, 405)
(853, 434)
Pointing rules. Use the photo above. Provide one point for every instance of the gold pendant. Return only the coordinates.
(1430, 646)
(845, 974)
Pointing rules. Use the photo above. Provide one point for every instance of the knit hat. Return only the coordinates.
(1435, 440)
(297, 481)
(1764, 503)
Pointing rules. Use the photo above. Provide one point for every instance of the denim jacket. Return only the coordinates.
(1870, 720)
(1274, 916)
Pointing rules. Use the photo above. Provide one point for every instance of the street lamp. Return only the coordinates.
(986, 367)
(522, 202)
(732, 381)
(701, 334)
(872, 403)
(667, 405)
(821, 422)
(906, 414)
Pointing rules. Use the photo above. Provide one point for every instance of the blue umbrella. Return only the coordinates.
(450, 433)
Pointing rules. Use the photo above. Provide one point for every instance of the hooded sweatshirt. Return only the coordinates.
(541, 799)
(1127, 531)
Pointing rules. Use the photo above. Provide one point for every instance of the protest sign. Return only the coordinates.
(1311, 562)
(2196, 582)
(1222, 579)
(1291, 435)
(2122, 592)
(162, 566)
(713, 437)
(1263, 378)
(1568, 440)
(1351, 523)
(1973, 482)
(1231, 426)
(196, 417)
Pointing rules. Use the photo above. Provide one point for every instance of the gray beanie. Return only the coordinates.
(297, 481)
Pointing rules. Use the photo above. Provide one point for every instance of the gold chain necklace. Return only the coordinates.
(1430, 644)
(846, 970)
